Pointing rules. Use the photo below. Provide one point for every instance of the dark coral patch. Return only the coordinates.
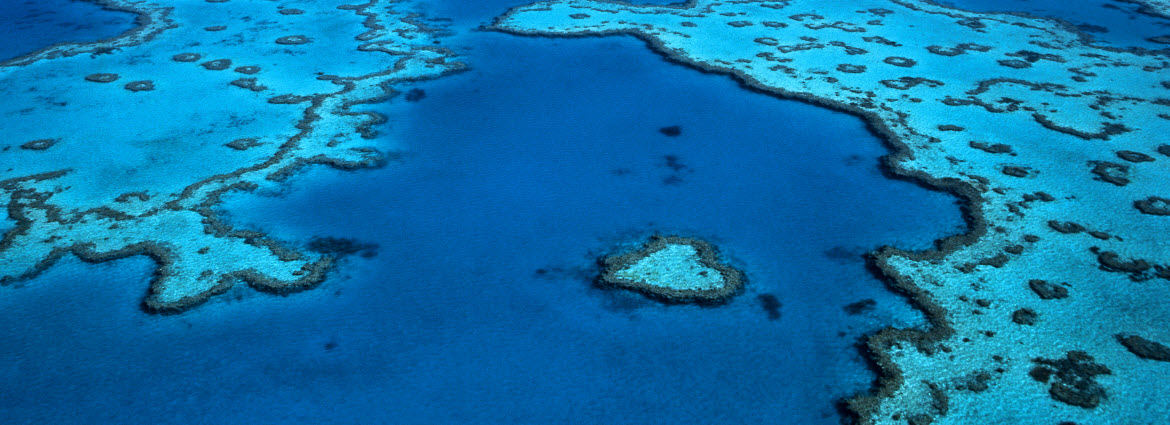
(957, 50)
(101, 77)
(39, 144)
(288, 99)
(1015, 171)
(142, 85)
(1153, 205)
(1073, 383)
(850, 68)
(291, 11)
(243, 144)
(1144, 348)
(1024, 316)
(1015, 63)
(1110, 172)
(141, 196)
(579, 16)
(1046, 290)
(995, 148)
(973, 23)
(1132, 156)
(248, 70)
(186, 57)
(249, 83)
(1099, 235)
(1066, 226)
(900, 61)
(217, 65)
(906, 83)
(293, 39)
(1111, 261)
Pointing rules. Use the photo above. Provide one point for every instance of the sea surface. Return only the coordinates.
(474, 301)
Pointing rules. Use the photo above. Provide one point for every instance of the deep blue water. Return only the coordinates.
(514, 178)
(1109, 22)
(29, 25)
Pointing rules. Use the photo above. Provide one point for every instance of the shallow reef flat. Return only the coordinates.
(123, 146)
(1058, 147)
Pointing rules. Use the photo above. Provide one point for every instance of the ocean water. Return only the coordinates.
(30, 25)
(1109, 22)
(477, 304)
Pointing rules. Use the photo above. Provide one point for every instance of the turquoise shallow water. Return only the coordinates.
(478, 307)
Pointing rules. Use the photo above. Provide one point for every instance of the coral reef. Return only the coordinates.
(102, 78)
(137, 86)
(155, 189)
(1047, 138)
(674, 269)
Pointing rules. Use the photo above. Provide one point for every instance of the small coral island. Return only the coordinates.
(674, 269)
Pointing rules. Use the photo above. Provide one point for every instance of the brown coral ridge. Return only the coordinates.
(878, 346)
(708, 256)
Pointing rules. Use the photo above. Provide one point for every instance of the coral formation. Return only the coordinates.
(137, 86)
(673, 269)
(1047, 138)
(38, 145)
(155, 191)
(293, 39)
(102, 78)
(217, 65)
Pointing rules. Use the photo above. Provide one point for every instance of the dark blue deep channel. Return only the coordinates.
(29, 25)
(478, 307)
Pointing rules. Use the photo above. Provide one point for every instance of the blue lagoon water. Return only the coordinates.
(512, 179)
